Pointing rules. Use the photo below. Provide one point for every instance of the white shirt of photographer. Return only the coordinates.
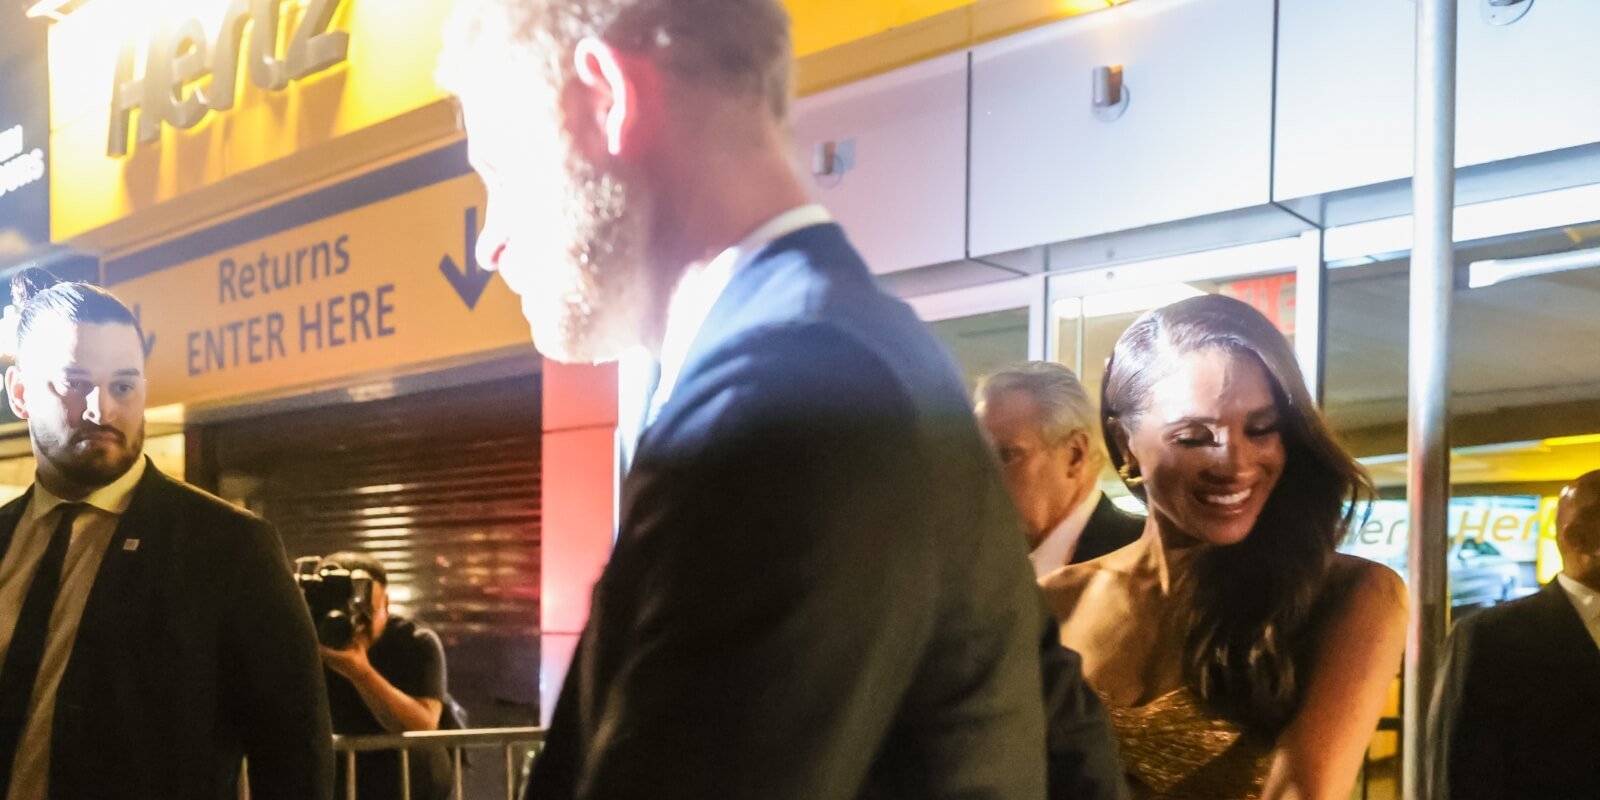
(91, 535)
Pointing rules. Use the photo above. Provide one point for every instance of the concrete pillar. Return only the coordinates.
(577, 490)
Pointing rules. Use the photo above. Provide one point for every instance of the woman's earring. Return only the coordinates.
(1130, 476)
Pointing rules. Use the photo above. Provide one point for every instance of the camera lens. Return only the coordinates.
(336, 630)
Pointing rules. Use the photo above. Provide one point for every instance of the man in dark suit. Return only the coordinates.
(152, 636)
(817, 590)
(1045, 431)
(1516, 711)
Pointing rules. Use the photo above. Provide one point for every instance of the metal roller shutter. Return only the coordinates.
(443, 488)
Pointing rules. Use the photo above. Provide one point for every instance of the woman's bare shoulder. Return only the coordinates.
(1065, 587)
(1366, 589)
(1069, 579)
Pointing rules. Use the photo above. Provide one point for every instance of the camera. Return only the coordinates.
(340, 603)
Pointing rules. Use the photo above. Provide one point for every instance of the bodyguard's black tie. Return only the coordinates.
(26, 651)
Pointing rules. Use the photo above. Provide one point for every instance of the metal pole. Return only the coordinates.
(350, 775)
(1081, 325)
(1428, 449)
(511, 773)
(1311, 311)
(456, 758)
(405, 774)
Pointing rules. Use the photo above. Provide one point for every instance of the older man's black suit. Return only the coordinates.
(820, 587)
(195, 649)
(1109, 528)
(1516, 712)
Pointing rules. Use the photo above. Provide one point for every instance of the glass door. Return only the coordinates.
(987, 327)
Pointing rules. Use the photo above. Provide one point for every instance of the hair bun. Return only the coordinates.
(28, 283)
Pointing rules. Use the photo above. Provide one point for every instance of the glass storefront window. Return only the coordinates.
(1086, 327)
(1494, 545)
(1523, 407)
(983, 343)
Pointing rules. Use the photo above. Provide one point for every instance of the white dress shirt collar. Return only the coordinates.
(1587, 603)
(113, 498)
(698, 292)
(1059, 546)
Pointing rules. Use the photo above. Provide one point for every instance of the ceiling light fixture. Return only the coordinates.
(1124, 301)
(1488, 273)
(1351, 245)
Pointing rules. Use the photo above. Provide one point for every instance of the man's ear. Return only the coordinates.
(1077, 445)
(16, 392)
(611, 85)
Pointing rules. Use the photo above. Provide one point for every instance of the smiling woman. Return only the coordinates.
(1209, 422)
(1263, 657)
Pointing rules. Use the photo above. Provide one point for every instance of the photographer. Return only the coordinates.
(390, 679)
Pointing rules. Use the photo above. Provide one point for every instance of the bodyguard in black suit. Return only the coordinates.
(152, 634)
(818, 588)
(1516, 712)
(1045, 431)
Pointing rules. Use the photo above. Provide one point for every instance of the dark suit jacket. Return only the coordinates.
(195, 649)
(819, 589)
(1109, 528)
(1516, 711)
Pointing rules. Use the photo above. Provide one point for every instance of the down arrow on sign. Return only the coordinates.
(470, 282)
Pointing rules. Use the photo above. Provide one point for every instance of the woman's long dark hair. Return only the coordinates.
(1253, 603)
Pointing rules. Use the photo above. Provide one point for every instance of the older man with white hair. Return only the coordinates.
(1043, 427)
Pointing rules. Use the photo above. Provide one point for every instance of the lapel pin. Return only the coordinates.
(131, 545)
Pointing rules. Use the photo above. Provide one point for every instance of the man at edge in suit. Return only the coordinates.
(152, 636)
(1515, 709)
(817, 589)
(1045, 431)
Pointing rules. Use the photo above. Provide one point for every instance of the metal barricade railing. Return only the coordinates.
(508, 740)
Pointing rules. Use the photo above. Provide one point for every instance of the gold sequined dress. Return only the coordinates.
(1173, 748)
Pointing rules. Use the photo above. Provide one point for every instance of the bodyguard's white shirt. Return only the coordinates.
(699, 291)
(1058, 548)
(91, 534)
(1587, 603)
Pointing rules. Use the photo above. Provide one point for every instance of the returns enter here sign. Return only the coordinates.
(388, 286)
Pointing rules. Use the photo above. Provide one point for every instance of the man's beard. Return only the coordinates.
(97, 467)
(588, 300)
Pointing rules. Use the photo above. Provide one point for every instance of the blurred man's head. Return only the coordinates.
(79, 382)
(594, 124)
(1043, 428)
(1578, 529)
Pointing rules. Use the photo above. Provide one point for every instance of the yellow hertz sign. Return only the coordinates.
(388, 286)
(181, 55)
(155, 100)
